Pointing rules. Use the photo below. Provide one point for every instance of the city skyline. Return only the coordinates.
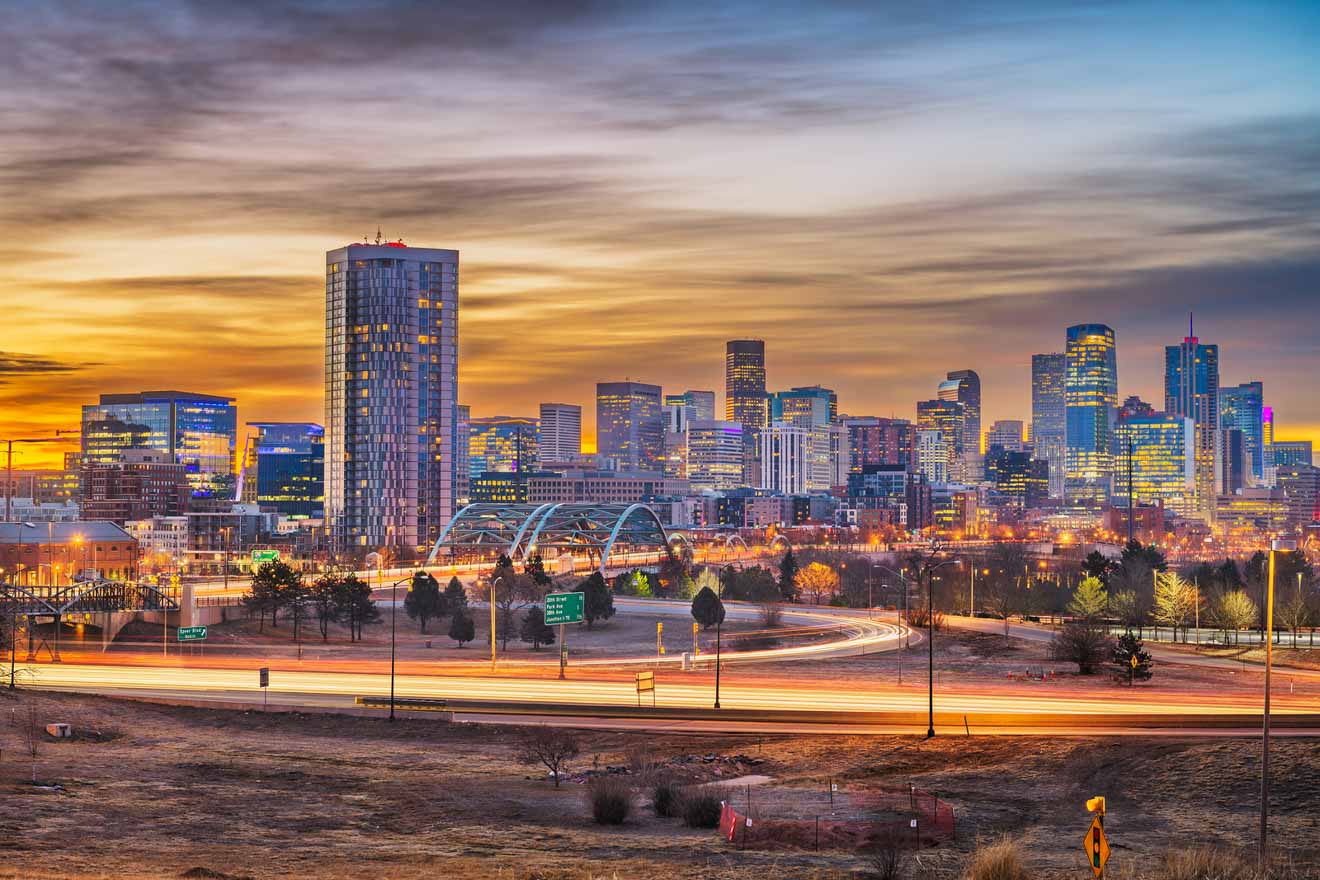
(190, 197)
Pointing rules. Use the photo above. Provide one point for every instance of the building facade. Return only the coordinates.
(948, 418)
(1191, 390)
(1048, 422)
(1006, 434)
(290, 468)
(715, 455)
(744, 383)
(1159, 452)
(198, 431)
(561, 432)
(1090, 402)
(391, 394)
(1291, 453)
(964, 386)
(812, 406)
(1241, 408)
(503, 444)
(143, 484)
(876, 441)
(630, 425)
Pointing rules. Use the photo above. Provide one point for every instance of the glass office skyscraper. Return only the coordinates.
(1191, 390)
(630, 425)
(1159, 452)
(1241, 408)
(744, 383)
(199, 431)
(1047, 415)
(561, 432)
(391, 376)
(964, 386)
(501, 444)
(290, 467)
(1090, 396)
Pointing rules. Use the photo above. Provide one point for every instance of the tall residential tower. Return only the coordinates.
(1090, 395)
(391, 382)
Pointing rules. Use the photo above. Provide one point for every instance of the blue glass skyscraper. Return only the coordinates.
(1242, 408)
(1191, 390)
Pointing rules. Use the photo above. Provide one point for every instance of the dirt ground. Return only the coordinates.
(150, 791)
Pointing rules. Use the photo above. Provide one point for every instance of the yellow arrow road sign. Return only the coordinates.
(1097, 846)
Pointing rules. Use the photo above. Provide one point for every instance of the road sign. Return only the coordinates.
(192, 633)
(563, 608)
(263, 676)
(260, 556)
(645, 683)
(1097, 846)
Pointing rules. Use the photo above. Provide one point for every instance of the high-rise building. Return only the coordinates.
(1159, 452)
(876, 441)
(694, 406)
(811, 405)
(964, 386)
(290, 467)
(948, 418)
(785, 455)
(1290, 453)
(1090, 408)
(391, 395)
(503, 445)
(1234, 462)
(1133, 407)
(1241, 408)
(744, 383)
(714, 455)
(1006, 434)
(459, 456)
(1267, 443)
(1047, 415)
(630, 425)
(1025, 480)
(561, 432)
(198, 431)
(932, 456)
(1301, 486)
(1191, 390)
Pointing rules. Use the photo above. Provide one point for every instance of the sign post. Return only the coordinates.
(645, 682)
(263, 682)
(1095, 843)
(563, 608)
(260, 556)
(191, 633)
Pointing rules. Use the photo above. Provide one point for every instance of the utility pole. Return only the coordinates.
(9, 465)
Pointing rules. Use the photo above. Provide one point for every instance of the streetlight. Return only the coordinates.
(394, 610)
(1275, 547)
(928, 569)
(719, 622)
(493, 585)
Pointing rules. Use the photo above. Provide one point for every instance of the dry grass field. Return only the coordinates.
(154, 791)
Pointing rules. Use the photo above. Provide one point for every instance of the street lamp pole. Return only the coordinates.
(493, 585)
(719, 622)
(1265, 722)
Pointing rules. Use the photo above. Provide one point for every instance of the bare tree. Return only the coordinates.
(552, 747)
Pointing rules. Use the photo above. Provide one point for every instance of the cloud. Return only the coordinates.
(14, 363)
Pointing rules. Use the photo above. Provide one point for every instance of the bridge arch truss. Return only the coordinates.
(519, 530)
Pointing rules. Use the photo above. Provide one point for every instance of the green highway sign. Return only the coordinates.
(192, 633)
(563, 608)
(260, 556)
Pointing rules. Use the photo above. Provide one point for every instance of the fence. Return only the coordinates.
(907, 818)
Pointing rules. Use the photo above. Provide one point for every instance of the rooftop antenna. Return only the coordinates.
(1191, 334)
(377, 235)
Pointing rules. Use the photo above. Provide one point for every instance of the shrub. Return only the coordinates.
(885, 858)
(772, 616)
(610, 798)
(701, 806)
(666, 798)
(1001, 860)
(1083, 643)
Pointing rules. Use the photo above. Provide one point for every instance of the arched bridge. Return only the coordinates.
(518, 530)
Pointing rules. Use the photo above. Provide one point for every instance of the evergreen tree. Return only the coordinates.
(535, 630)
(707, 609)
(1150, 555)
(1089, 600)
(788, 571)
(455, 597)
(461, 629)
(324, 601)
(597, 600)
(1096, 565)
(273, 584)
(356, 605)
(1131, 662)
(424, 600)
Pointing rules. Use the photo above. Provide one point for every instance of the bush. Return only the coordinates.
(1001, 860)
(610, 798)
(666, 798)
(1083, 643)
(885, 858)
(701, 806)
(772, 616)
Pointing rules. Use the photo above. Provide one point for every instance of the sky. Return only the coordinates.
(881, 191)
